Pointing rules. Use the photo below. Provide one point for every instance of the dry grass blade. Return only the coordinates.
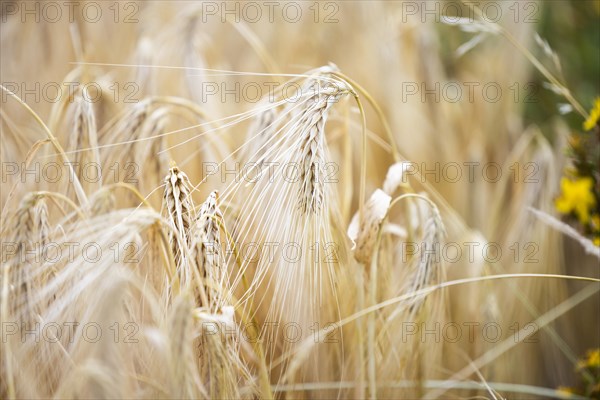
(588, 246)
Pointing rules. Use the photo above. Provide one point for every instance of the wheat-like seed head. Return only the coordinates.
(41, 222)
(154, 127)
(363, 230)
(428, 270)
(180, 326)
(312, 131)
(102, 202)
(30, 223)
(259, 134)
(125, 129)
(179, 207)
(84, 131)
(132, 121)
(207, 246)
(83, 140)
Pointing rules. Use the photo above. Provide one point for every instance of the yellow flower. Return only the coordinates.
(592, 120)
(596, 222)
(596, 241)
(576, 196)
(593, 360)
(565, 390)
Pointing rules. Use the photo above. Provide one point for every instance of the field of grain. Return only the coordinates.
(300, 200)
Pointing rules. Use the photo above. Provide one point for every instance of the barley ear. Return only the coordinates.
(363, 230)
(179, 209)
(207, 247)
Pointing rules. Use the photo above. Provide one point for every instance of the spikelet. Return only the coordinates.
(128, 126)
(30, 229)
(207, 247)
(179, 208)
(41, 222)
(127, 129)
(364, 233)
(428, 270)
(42, 239)
(84, 140)
(312, 132)
(149, 152)
(157, 127)
(180, 325)
(260, 133)
(102, 202)
(219, 353)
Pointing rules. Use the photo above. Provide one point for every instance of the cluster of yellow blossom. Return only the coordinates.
(592, 120)
(592, 360)
(589, 367)
(578, 197)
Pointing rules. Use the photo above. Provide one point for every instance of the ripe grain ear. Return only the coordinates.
(179, 208)
(312, 125)
(206, 248)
